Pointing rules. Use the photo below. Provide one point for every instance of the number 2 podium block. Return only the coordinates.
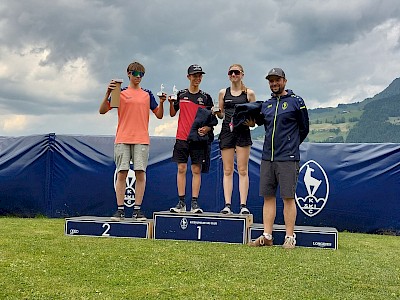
(206, 227)
(104, 227)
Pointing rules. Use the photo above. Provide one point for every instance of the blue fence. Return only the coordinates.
(352, 187)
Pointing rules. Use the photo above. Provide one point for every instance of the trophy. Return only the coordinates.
(174, 95)
(115, 93)
(216, 108)
(161, 92)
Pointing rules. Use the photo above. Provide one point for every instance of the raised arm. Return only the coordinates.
(105, 104)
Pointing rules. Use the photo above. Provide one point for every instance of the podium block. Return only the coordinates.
(306, 236)
(206, 227)
(104, 227)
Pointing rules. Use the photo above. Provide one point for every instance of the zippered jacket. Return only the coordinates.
(286, 126)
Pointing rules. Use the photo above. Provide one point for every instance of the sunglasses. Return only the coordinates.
(137, 73)
(236, 72)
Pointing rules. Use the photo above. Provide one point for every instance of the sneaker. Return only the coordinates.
(118, 216)
(290, 242)
(179, 208)
(262, 241)
(195, 208)
(138, 215)
(226, 210)
(244, 210)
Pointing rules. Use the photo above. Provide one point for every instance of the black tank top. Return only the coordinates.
(230, 103)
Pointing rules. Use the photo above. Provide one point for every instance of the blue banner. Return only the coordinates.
(352, 187)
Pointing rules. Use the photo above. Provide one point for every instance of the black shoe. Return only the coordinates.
(179, 208)
(118, 216)
(138, 215)
(195, 208)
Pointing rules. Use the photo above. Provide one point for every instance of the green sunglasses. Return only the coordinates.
(137, 73)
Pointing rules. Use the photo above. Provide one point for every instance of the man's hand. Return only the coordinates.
(250, 123)
(163, 98)
(203, 130)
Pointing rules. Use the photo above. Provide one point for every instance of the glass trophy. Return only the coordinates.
(161, 92)
(216, 108)
(174, 95)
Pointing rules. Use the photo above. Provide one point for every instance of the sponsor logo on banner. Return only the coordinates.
(129, 199)
(312, 188)
(184, 223)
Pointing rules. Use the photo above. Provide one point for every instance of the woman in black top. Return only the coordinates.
(236, 139)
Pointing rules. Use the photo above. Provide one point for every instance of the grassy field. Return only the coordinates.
(37, 261)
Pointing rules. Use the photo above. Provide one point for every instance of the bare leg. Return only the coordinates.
(228, 160)
(242, 157)
(269, 213)
(140, 186)
(196, 180)
(289, 214)
(120, 186)
(181, 178)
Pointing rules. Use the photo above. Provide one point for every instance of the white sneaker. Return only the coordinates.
(226, 210)
(244, 211)
(179, 208)
(290, 242)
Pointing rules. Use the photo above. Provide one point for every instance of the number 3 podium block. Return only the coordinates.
(104, 227)
(306, 236)
(206, 227)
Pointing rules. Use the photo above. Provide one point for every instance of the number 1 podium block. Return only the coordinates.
(306, 236)
(206, 227)
(104, 227)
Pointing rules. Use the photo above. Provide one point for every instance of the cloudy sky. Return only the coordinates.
(57, 57)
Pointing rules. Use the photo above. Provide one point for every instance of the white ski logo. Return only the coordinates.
(129, 199)
(312, 189)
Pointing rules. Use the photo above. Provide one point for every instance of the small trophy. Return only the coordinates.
(115, 93)
(174, 95)
(161, 92)
(216, 108)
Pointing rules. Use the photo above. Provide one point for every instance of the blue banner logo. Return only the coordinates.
(312, 188)
(129, 188)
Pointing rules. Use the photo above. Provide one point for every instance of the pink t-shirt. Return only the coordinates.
(133, 116)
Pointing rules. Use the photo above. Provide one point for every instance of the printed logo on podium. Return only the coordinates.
(312, 188)
(129, 188)
(184, 223)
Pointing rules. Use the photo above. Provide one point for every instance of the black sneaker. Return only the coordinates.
(195, 208)
(179, 208)
(138, 215)
(118, 216)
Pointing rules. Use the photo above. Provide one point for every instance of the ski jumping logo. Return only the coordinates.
(130, 187)
(312, 188)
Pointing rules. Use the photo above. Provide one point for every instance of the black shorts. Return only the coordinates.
(184, 149)
(284, 173)
(240, 137)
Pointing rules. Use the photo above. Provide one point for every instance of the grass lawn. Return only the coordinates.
(37, 261)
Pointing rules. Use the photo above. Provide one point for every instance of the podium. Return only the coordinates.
(206, 227)
(104, 227)
(306, 236)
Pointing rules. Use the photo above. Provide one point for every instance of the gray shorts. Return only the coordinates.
(125, 153)
(284, 173)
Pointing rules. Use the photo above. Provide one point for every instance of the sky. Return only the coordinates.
(57, 57)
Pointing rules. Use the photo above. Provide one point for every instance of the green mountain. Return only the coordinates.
(374, 120)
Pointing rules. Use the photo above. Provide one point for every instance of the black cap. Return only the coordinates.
(275, 72)
(193, 69)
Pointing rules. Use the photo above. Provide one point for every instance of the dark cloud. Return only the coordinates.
(330, 51)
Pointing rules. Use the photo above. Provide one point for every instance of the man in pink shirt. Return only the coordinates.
(132, 138)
